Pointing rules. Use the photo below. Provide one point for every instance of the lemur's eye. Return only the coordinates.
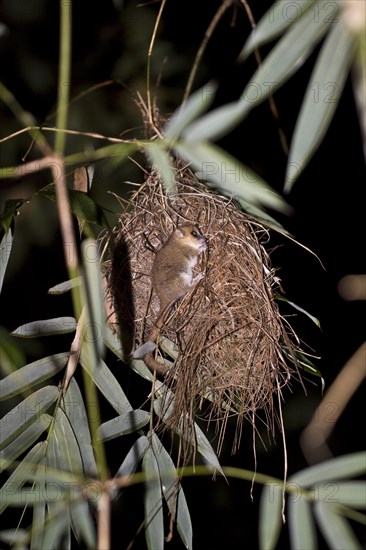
(195, 234)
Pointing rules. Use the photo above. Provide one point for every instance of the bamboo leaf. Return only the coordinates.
(5, 249)
(56, 528)
(154, 521)
(113, 342)
(75, 411)
(270, 516)
(21, 475)
(124, 424)
(66, 453)
(347, 493)
(25, 413)
(32, 374)
(228, 175)
(321, 99)
(107, 384)
(93, 293)
(335, 528)
(204, 447)
(342, 467)
(39, 510)
(133, 457)
(24, 440)
(283, 61)
(61, 288)
(173, 492)
(46, 327)
(301, 525)
(302, 310)
(273, 23)
(161, 162)
(83, 524)
(196, 104)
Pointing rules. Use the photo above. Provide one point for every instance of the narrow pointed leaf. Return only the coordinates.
(75, 411)
(301, 524)
(154, 521)
(46, 327)
(295, 306)
(32, 374)
(108, 385)
(5, 249)
(204, 447)
(57, 526)
(39, 511)
(24, 441)
(66, 449)
(347, 493)
(113, 342)
(341, 467)
(161, 162)
(335, 528)
(133, 457)
(94, 295)
(25, 413)
(124, 424)
(270, 516)
(228, 175)
(196, 104)
(61, 288)
(83, 524)
(173, 492)
(284, 60)
(273, 23)
(21, 475)
(321, 99)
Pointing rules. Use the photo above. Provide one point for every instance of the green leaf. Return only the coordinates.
(196, 104)
(21, 475)
(64, 454)
(11, 206)
(25, 413)
(113, 342)
(163, 165)
(61, 288)
(32, 374)
(229, 176)
(204, 447)
(321, 99)
(46, 327)
(301, 524)
(154, 521)
(83, 524)
(283, 61)
(270, 516)
(347, 493)
(5, 249)
(24, 440)
(94, 295)
(273, 23)
(335, 528)
(82, 205)
(75, 411)
(39, 511)
(295, 306)
(133, 457)
(107, 384)
(337, 468)
(56, 528)
(124, 424)
(173, 492)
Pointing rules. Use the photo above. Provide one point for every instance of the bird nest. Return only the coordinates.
(228, 333)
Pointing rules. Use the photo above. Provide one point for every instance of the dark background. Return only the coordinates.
(110, 41)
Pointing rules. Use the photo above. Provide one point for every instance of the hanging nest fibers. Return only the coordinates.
(228, 332)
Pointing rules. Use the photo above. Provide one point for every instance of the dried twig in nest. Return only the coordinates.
(228, 331)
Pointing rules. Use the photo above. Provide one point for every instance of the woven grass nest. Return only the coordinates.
(228, 331)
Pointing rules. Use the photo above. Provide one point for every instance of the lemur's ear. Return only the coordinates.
(179, 233)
